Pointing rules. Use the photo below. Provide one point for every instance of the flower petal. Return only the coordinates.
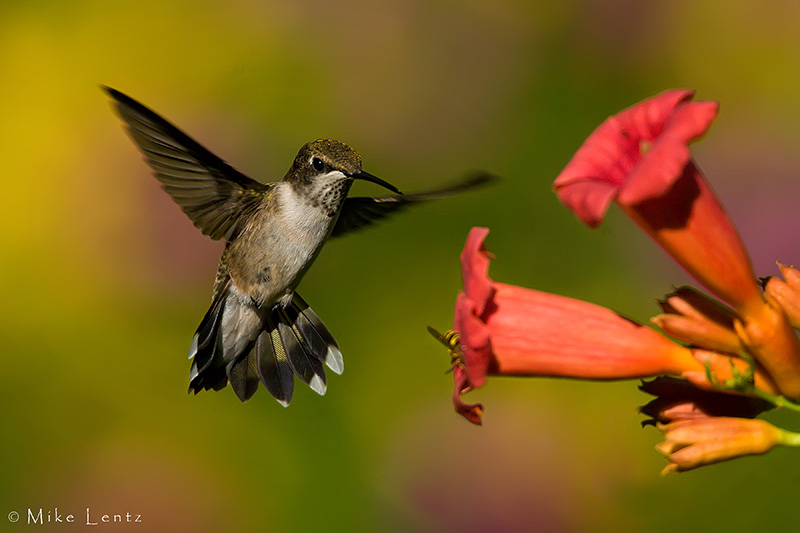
(471, 412)
(609, 157)
(647, 119)
(589, 199)
(475, 342)
(475, 269)
(655, 174)
(664, 162)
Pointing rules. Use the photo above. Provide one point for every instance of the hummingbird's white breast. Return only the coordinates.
(268, 260)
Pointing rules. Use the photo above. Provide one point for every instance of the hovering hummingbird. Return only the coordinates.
(258, 328)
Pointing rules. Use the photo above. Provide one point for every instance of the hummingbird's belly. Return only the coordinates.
(277, 255)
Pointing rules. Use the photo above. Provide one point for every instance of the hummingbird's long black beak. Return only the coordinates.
(361, 175)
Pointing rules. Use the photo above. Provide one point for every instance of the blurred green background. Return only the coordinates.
(105, 280)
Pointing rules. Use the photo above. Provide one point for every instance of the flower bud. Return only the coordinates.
(698, 442)
(786, 293)
(692, 317)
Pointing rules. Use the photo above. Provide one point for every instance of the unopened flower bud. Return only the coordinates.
(786, 293)
(698, 442)
(692, 317)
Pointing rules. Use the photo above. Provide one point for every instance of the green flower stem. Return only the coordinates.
(777, 401)
(789, 438)
(745, 383)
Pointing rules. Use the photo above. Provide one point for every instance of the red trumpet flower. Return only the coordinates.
(514, 331)
(640, 158)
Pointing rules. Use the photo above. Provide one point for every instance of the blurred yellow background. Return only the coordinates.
(105, 280)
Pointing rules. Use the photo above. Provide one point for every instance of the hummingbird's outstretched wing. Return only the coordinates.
(360, 212)
(214, 195)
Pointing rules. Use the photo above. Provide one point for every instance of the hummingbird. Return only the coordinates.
(258, 328)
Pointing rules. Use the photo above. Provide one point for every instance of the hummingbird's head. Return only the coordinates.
(326, 168)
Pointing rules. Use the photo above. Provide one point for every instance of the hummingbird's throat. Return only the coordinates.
(325, 192)
(330, 195)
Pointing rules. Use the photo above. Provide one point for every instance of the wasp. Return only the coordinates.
(452, 341)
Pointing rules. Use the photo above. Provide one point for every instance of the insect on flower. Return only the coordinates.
(452, 341)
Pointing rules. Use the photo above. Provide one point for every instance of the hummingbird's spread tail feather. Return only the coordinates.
(243, 375)
(206, 350)
(304, 362)
(314, 331)
(286, 342)
(274, 367)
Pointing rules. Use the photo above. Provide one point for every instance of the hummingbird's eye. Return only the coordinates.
(318, 165)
